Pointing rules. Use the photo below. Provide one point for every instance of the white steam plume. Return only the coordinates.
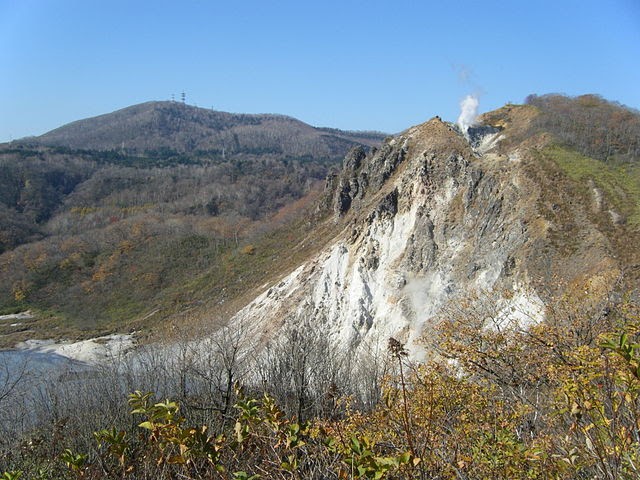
(468, 112)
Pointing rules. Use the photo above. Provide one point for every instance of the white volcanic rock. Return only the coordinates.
(427, 221)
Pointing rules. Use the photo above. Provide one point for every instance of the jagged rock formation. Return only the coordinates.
(430, 218)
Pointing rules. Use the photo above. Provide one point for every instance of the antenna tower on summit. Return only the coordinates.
(183, 97)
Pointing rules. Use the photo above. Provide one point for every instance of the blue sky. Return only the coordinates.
(365, 65)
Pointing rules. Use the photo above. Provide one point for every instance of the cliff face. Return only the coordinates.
(427, 220)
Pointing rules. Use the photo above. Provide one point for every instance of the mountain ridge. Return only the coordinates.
(470, 293)
(428, 222)
(186, 129)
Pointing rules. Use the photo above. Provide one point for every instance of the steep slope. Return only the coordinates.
(157, 126)
(427, 222)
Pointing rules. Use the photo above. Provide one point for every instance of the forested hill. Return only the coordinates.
(123, 212)
(154, 127)
(595, 127)
(199, 208)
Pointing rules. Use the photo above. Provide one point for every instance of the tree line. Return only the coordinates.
(593, 126)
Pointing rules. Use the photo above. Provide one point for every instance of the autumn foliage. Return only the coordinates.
(496, 401)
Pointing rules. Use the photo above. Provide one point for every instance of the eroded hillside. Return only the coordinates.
(427, 222)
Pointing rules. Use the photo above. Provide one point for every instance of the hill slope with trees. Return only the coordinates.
(110, 219)
(172, 127)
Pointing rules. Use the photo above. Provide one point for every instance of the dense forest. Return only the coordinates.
(96, 236)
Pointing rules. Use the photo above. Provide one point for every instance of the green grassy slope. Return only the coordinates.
(620, 182)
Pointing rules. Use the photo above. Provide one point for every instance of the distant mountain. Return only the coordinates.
(154, 126)
(116, 210)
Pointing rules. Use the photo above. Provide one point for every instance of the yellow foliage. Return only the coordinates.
(83, 211)
(101, 274)
(34, 260)
(87, 286)
(457, 426)
(72, 260)
(20, 290)
(138, 229)
(125, 246)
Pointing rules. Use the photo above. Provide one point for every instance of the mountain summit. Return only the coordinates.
(507, 225)
(184, 128)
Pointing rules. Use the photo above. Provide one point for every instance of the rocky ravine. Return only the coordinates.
(425, 220)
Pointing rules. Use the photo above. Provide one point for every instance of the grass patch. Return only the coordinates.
(44, 324)
(620, 182)
(12, 309)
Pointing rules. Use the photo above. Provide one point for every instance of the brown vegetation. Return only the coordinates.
(559, 399)
(591, 125)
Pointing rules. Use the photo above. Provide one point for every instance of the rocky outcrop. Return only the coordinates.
(427, 219)
(348, 185)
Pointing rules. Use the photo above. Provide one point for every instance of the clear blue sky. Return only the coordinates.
(347, 64)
